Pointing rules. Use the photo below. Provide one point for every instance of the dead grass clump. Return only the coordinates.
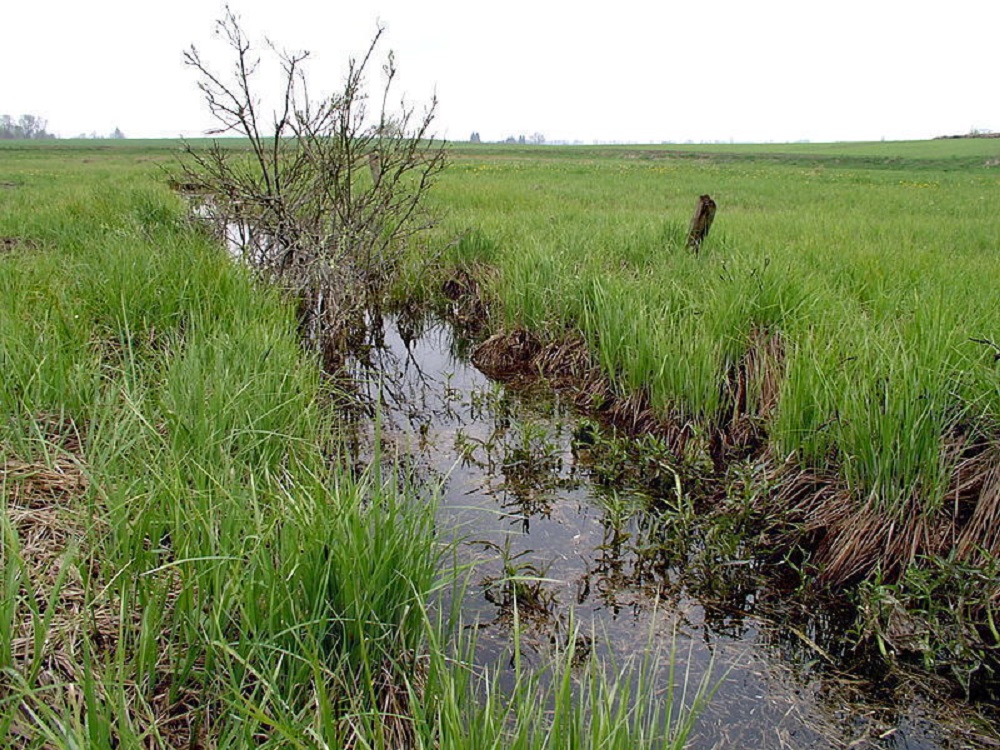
(40, 502)
(633, 415)
(846, 538)
(460, 286)
(468, 307)
(751, 393)
(33, 486)
(62, 432)
(52, 614)
(569, 362)
(505, 355)
(57, 618)
(976, 486)
(850, 537)
(180, 720)
(13, 244)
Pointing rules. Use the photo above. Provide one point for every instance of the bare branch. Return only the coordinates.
(332, 193)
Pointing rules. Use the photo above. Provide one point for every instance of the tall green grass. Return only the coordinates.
(212, 574)
(876, 276)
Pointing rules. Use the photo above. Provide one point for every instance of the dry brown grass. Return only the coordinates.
(44, 541)
(12, 244)
(850, 537)
(506, 355)
(751, 392)
(468, 305)
(63, 610)
(43, 515)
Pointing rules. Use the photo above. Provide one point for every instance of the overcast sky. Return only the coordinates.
(663, 70)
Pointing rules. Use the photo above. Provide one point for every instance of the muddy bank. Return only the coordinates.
(844, 538)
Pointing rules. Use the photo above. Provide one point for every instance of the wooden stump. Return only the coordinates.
(701, 222)
(375, 165)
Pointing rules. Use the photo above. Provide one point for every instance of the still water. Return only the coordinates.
(526, 501)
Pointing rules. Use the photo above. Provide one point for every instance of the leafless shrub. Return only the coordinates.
(330, 190)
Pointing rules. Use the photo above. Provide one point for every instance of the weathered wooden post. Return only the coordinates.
(375, 165)
(701, 222)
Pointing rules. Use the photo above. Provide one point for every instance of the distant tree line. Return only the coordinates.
(535, 139)
(33, 127)
(115, 134)
(973, 133)
(24, 127)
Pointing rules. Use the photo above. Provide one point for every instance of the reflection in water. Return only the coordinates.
(244, 242)
(543, 526)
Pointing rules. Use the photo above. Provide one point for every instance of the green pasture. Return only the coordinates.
(877, 279)
(875, 263)
(235, 577)
(183, 560)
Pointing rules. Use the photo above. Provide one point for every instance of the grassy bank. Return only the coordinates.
(877, 280)
(865, 270)
(184, 562)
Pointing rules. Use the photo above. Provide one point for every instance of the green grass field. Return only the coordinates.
(180, 558)
(182, 561)
(876, 279)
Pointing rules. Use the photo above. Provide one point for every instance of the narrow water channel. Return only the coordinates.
(520, 492)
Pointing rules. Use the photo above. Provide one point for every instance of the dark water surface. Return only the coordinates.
(525, 502)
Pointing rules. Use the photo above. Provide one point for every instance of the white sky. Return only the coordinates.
(632, 71)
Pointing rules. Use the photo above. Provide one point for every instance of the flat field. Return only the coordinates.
(166, 460)
(184, 559)
(868, 269)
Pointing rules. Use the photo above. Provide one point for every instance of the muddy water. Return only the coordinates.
(526, 502)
